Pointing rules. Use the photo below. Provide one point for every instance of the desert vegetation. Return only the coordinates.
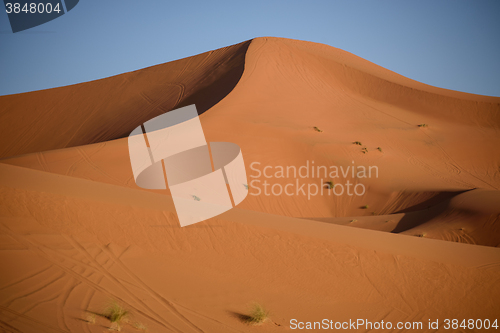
(258, 315)
(117, 315)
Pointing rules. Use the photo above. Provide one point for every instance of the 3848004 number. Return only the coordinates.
(33, 8)
(471, 324)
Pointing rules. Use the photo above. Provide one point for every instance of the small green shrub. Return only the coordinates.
(364, 207)
(258, 315)
(379, 149)
(330, 184)
(423, 125)
(317, 129)
(357, 143)
(116, 314)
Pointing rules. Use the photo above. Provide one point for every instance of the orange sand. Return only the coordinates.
(76, 231)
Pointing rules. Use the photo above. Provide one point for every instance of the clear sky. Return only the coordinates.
(449, 44)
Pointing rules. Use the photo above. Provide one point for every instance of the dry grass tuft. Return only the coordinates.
(258, 315)
(116, 314)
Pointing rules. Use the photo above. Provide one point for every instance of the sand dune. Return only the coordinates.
(106, 109)
(76, 231)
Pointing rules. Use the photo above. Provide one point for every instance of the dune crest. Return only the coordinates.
(108, 109)
(271, 108)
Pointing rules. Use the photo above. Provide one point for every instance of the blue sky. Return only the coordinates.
(449, 44)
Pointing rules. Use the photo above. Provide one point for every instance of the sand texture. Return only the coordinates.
(421, 243)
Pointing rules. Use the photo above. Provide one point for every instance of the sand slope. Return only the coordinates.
(288, 87)
(80, 249)
(76, 231)
(107, 109)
